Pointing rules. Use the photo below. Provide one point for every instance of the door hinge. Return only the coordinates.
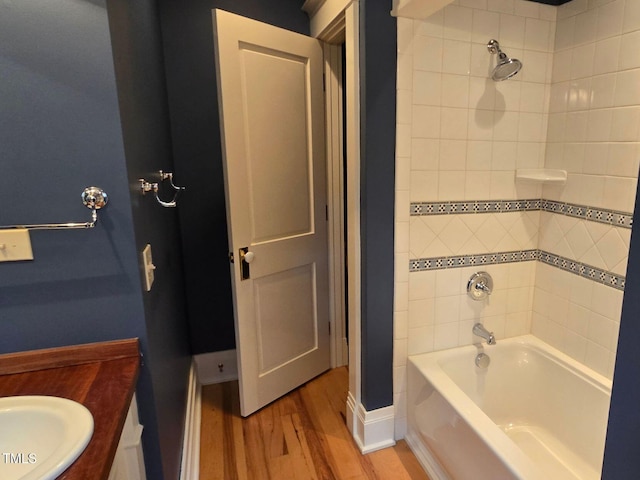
(231, 257)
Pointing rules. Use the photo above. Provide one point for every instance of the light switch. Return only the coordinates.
(149, 267)
(15, 245)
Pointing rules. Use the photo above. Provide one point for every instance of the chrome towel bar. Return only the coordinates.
(93, 198)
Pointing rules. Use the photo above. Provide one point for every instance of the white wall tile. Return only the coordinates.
(454, 123)
(606, 57)
(504, 156)
(453, 154)
(481, 125)
(424, 187)
(582, 61)
(403, 140)
(403, 106)
(477, 185)
(482, 62)
(422, 285)
(458, 22)
(451, 185)
(532, 97)
(427, 87)
(486, 25)
(445, 336)
(428, 53)
(421, 312)
(602, 91)
(432, 26)
(512, 32)
(455, 90)
(456, 57)
(586, 27)
(548, 12)
(425, 122)
(623, 160)
(631, 16)
(629, 48)
(537, 35)
(627, 88)
(565, 32)
(534, 66)
(421, 340)
(610, 19)
(502, 6)
(425, 153)
(506, 126)
(625, 124)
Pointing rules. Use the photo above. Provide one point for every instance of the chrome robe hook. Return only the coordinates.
(154, 187)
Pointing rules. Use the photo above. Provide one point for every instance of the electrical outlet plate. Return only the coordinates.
(15, 245)
(149, 267)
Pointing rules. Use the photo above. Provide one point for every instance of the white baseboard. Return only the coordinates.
(190, 467)
(425, 458)
(216, 367)
(371, 430)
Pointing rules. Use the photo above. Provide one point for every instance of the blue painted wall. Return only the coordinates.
(621, 460)
(377, 202)
(61, 129)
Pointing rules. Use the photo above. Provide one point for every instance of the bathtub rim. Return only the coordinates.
(497, 441)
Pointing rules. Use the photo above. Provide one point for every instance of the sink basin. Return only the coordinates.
(41, 436)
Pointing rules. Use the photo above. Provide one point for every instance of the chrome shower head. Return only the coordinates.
(506, 67)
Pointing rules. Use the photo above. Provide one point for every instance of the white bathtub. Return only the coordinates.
(534, 413)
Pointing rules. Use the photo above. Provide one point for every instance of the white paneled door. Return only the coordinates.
(272, 123)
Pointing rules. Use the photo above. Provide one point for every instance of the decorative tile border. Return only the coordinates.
(582, 269)
(600, 215)
(577, 268)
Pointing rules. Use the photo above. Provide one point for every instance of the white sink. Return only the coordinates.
(41, 436)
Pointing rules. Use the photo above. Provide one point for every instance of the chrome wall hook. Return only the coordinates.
(146, 187)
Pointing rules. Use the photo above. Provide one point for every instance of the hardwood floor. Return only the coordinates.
(300, 436)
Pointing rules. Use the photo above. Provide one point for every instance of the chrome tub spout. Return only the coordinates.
(479, 330)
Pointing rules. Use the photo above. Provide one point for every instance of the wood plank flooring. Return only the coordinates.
(301, 436)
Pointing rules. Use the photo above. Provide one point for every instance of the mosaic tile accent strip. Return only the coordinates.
(577, 268)
(582, 269)
(609, 217)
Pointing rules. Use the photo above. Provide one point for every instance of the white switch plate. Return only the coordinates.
(15, 245)
(149, 267)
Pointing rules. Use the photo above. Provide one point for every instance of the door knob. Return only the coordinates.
(246, 257)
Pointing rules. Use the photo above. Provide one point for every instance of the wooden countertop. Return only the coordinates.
(101, 376)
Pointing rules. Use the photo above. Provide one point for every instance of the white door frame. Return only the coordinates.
(334, 21)
(335, 201)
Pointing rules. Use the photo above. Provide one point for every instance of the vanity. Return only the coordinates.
(102, 378)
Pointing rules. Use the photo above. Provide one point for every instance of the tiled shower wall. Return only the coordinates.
(460, 139)
(594, 128)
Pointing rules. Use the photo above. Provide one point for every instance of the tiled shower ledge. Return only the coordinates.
(600, 215)
(577, 268)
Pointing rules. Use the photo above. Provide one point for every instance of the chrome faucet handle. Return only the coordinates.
(480, 286)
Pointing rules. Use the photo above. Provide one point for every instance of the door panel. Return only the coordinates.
(272, 122)
(277, 137)
(295, 333)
